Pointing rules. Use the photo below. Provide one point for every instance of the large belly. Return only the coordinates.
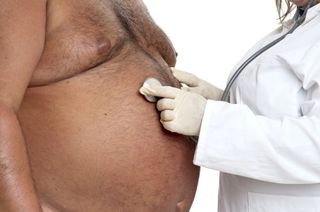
(96, 145)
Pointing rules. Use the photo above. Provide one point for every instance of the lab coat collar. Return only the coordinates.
(312, 13)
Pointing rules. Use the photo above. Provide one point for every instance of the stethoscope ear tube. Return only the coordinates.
(298, 21)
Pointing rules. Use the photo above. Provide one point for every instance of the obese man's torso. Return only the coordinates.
(94, 143)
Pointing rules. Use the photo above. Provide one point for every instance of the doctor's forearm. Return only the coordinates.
(17, 192)
(235, 141)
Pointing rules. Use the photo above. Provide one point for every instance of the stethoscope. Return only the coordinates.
(298, 18)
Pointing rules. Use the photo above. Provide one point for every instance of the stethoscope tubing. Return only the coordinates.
(298, 21)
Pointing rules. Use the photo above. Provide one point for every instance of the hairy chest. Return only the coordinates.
(82, 34)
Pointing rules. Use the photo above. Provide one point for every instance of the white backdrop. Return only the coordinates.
(210, 37)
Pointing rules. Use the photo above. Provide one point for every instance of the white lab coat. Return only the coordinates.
(267, 145)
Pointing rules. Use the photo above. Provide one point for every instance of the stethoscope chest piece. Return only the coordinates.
(147, 83)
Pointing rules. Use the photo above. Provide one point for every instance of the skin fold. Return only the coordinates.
(93, 142)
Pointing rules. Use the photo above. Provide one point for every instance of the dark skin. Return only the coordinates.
(75, 133)
(303, 3)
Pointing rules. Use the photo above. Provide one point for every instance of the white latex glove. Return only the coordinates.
(181, 111)
(196, 85)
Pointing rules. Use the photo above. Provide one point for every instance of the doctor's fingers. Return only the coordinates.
(160, 91)
(171, 126)
(167, 115)
(192, 89)
(185, 77)
(166, 104)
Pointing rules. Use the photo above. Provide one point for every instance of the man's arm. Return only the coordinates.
(22, 35)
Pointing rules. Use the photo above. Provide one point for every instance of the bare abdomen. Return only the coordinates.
(96, 145)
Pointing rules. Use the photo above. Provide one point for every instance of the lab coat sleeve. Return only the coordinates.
(236, 141)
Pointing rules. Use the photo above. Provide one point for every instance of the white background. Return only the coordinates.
(210, 37)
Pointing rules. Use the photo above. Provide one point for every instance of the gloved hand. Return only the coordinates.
(196, 85)
(181, 111)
